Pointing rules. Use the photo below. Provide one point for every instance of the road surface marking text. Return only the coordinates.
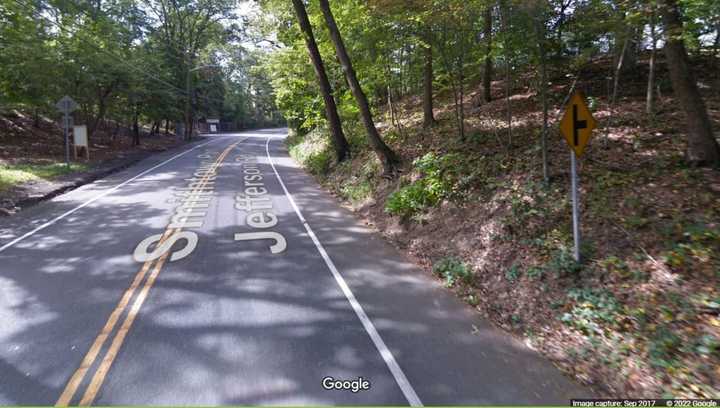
(397, 372)
(255, 202)
(99, 377)
(97, 197)
(193, 201)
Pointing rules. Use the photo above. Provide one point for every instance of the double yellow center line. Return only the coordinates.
(107, 361)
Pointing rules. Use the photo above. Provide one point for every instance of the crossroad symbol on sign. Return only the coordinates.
(577, 124)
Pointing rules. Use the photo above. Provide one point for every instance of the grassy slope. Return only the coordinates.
(28, 153)
(11, 175)
(641, 317)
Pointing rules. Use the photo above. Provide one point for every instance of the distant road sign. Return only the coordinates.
(577, 124)
(80, 140)
(80, 136)
(66, 105)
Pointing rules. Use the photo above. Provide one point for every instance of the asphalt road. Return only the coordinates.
(221, 274)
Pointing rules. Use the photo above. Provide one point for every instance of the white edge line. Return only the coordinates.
(99, 196)
(397, 372)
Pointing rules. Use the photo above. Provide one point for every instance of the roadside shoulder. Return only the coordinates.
(27, 194)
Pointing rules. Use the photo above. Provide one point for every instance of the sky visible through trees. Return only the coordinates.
(420, 110)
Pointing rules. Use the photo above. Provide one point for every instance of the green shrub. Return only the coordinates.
(411, 199)
(436, 184)
(563, 263)
(356, 192)
(592, 309)
(513, 274)
(663, 347)
(313, 151)
(318, 163)
(535, 272)
(696, 249)
(453, 270)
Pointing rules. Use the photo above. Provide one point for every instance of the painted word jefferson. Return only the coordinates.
(258, 206)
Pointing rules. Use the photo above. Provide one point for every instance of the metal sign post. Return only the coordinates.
(66, 105)
(577, 126)
(67, 138)
(575, 205)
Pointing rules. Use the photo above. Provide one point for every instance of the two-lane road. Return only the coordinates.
(221, 274)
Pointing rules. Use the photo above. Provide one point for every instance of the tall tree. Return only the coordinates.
(650, 94)
(539, 23)
(505, 13)
(186, 27)
(428, 116)
(702, 149)
(340, 144)
(387, 156)
(487, 37)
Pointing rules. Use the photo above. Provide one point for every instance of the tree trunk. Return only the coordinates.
(389, 158)
(650, 96)
(136, 127)
(487, 72)
(338, 137)
(703, 149)
(167, 127)
(401, 77)
(394, 117)
(429, 118)
(630, 48)
(461, 79)
(101, 114)
(541, 37)
(115, 132)
(619, 70)
(560, 25)
(188, 99)
(505, 12)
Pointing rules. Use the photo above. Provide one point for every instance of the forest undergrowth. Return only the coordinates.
(641, 315)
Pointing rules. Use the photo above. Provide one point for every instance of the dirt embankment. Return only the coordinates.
(31, 150)
(640, 317)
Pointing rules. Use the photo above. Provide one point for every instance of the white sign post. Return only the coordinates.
(575, 205)
(66, 105)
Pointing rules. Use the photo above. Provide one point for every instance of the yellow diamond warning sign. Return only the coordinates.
(577, 124)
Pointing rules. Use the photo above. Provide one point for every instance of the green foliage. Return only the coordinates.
(531, 205)
(591, 310)
(11, 175)
(563, 263)
(535, 272)
(663, 347)
(513, 273)
(615, 266)
(696, 248)
(318, 163)
(436, 183)
(357, 192)
(453, 271)
(127, 59)
(472, 300)
(707, 344)
(313, 151)
(410, 200)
